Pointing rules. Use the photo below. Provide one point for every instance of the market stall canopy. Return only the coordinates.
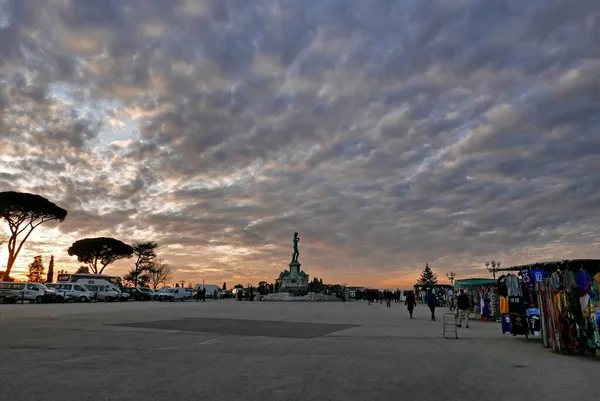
(474, 283)
(591, 265)
(432, 286)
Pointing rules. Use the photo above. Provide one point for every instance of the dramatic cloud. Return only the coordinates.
(389, 134)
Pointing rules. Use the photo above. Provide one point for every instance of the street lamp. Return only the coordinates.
(495, 266)
(451, 277)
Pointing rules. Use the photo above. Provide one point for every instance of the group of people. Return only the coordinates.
(201, 294)
(463, 304)
(373, 296)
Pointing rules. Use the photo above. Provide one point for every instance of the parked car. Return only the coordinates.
(60, 296)
(32, 292)
(7, 298)
(136, 294)
(72, 292)
(153, 294)
(104, 293)
(172, 294)
(123, 296)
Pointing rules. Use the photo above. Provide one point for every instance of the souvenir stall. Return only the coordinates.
(482, 293)
(569, 299)
(558, 300)
(518, 305)
(440, 290)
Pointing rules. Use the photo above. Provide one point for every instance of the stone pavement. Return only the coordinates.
(222, 350)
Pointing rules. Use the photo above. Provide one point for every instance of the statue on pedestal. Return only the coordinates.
(296, 252)
(293, 280)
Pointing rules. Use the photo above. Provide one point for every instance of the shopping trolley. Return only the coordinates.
(449, 325)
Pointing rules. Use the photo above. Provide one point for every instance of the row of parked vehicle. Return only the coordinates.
(12, 292)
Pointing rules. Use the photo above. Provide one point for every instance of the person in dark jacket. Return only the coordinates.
(388, 298)
(431, 300)
(410, 303)
(463, 304)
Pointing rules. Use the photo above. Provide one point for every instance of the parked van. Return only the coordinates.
(104, 292)
(75, 292)
(32, 292)
(172, 294)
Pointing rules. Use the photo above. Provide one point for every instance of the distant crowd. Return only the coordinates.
(379, 296)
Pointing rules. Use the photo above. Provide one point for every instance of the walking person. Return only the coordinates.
(463, 304)
(431, 300)
(410, 303)
(388, 298)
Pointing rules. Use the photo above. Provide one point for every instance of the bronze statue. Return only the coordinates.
(296, 252)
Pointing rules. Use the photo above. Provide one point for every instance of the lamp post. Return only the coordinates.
(451, 277)
(495, 266)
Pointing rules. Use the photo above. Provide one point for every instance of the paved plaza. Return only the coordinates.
(226, 350)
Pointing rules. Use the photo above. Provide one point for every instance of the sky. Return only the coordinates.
(389, 134)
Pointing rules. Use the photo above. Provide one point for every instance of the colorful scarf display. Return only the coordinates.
(569, 306)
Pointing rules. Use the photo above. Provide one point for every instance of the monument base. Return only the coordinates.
(295, 266)
(293, 280)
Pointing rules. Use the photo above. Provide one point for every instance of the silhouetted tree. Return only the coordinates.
(82, 269)
(159, 273)
(24, 212)
(315, 285)
(36, 270)
(145, 253)
(50, 277)
(238, 286)
(224, 286)
(137, 280)
(427, 276)
(103, 250)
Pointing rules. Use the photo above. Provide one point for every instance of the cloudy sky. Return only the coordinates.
(388, 133)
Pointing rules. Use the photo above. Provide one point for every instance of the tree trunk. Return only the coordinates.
(9, 265)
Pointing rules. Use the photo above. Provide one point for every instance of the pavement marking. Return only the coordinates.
(209, 341)
(212, 340)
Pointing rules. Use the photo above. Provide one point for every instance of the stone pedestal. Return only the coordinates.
(293, 280)
(295, 267)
